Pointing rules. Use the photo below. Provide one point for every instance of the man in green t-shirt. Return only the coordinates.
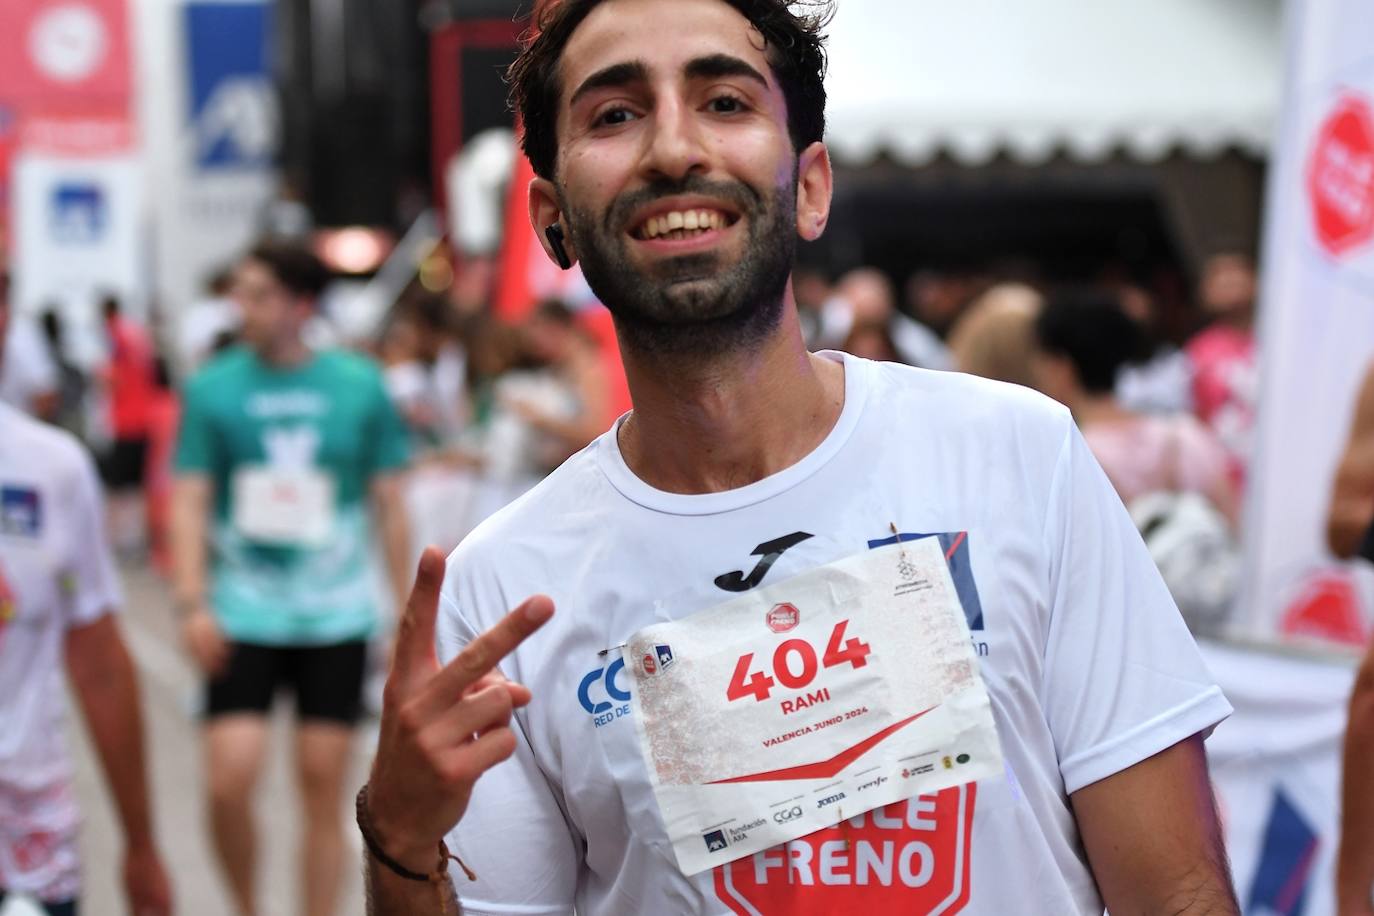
(281, 450)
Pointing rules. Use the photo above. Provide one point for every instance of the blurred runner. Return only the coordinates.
(131, 390)
(29, 378)
(281, 448)
(678, 144)
(1225, 374)
(58, 597)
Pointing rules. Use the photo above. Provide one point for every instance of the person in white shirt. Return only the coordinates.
(58, 597)
(679, 154)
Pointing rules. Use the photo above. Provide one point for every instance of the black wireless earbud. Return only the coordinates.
(555, 236)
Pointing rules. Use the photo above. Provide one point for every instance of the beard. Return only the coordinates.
(696, 304)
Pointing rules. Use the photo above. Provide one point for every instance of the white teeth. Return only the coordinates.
(682, 221)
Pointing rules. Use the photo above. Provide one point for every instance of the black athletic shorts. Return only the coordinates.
(122, 466)
(327, 680)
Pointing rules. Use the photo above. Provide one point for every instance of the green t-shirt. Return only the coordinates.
(330, 414)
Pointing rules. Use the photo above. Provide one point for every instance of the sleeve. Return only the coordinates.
(90, 579)
(391, 439)
(514, 835)
(195, 449)
(1123, 678)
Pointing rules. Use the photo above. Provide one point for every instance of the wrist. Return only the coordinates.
(187, 605)
(392, 840)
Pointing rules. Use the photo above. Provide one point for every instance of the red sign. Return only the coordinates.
(70, 55)
(783, 617)
(912, 856)
(1326, 607)
(1340, 177)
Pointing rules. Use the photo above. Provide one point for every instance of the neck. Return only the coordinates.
(703, 425)
(1088, 408)
(285, 353)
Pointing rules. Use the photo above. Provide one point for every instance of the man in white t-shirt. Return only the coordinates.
(677, 144)
(58, 595)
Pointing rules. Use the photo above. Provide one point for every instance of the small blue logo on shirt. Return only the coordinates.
(20, 511)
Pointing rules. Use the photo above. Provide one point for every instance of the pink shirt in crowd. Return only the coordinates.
(1225, 390)
(1149, 453)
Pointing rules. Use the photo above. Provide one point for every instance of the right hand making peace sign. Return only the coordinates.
(442, 728)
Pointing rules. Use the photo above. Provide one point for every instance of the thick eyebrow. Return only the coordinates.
(716, 66)
(713, 66)
(631, 71)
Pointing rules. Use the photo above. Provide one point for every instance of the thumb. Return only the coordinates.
(413, 654)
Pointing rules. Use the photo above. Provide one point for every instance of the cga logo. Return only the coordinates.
(783, 617)
(787, 814)
(909, 857)
(715, 841)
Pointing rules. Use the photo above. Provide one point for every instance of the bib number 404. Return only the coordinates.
(795, 665)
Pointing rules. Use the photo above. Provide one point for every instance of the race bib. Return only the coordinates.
(797, 706)
(288, 508)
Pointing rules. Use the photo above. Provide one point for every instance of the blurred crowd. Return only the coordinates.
(492, 405)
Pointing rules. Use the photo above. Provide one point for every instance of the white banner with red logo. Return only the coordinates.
(1317, 332)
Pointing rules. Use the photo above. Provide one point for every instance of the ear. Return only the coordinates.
(815, 184)
(544, 212)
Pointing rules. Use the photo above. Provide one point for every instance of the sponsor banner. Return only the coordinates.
(802, 704)
(65, 55)
(1276, 767)
(77, 229)
(1316, 334)
(223, 140)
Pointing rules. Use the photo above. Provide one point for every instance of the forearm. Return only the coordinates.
(1355, 861)
(188, 545)
(388, 894)
(106, 685)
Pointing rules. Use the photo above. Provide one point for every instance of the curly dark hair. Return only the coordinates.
(795, 45)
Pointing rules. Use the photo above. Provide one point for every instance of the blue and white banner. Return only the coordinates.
(1276, 767)
(233, 106)
(78, 230)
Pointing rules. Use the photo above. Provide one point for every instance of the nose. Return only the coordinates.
(675, 147)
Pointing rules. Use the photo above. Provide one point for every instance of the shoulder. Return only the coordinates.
(351, 366)
(57, 453)
(559, 510)
(955, 404)
(225, 368)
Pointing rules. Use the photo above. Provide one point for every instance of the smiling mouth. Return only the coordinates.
(683, 224)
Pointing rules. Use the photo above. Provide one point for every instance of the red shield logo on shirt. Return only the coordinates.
(783, 617)
(912, 856)
(1340, 177)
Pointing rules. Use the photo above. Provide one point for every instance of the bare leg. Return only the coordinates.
(321, 763)
(235, 745)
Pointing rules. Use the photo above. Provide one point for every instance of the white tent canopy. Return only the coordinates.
(974, 78)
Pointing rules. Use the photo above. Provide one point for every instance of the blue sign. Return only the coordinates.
(233, 102)
(21, 512)
(1286, 860)
(78, 213)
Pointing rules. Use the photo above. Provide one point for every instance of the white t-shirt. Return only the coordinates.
(1088, 665)
(27, 370)
(56, 573)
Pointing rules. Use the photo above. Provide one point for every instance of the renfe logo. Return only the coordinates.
(910, 857)
(783, 617)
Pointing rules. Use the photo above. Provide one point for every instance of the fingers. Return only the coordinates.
(520, 694)
(485, 652)
(414, 645)
(478, 713)
(468, 762)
